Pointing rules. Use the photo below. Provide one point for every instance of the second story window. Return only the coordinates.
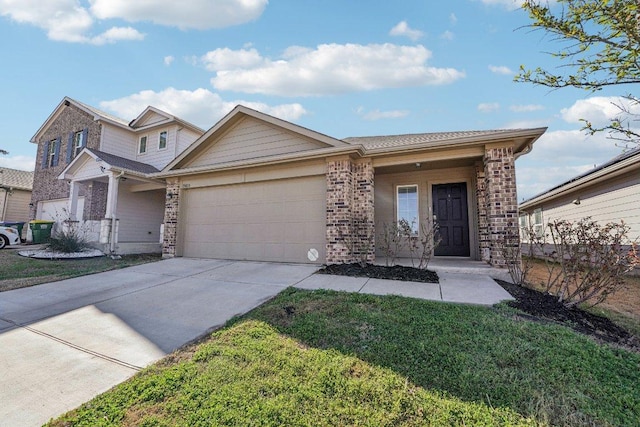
(162, 141)
(78, 142)
(142, 145)
(51, 156)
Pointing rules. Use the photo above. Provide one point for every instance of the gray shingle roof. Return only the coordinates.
(16, 178)
(102, 113)
(391, 141)
(122, 163)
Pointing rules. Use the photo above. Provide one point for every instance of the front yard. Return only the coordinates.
(18, 272)
(331, 358)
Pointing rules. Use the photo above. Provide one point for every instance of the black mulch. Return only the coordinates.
(397, 272)
(540, 306)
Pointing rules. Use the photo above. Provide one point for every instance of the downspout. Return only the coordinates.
(4, 202)
(112, 240)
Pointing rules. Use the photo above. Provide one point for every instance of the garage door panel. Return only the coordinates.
(273, 220)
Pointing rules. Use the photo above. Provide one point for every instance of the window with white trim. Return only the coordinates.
(51, 156)
(537, 223)
(78, 142)
(162, 140)
(407, 207)
(142, 145)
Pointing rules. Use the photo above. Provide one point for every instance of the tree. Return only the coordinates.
(3, 152)
(601, 48)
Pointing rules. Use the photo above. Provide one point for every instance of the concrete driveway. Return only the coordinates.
(63, 343)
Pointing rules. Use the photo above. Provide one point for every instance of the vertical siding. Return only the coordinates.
(140, 215)
(616, 200)
(119, 142)
(251, 139)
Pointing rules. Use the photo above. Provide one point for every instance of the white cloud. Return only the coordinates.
(327, 69)
(168, 60)
(403, 29)
(378, 115)
(225, 59)
(488, 107)
(509, 4)
(526, 108)
(116, 34)
(532, 181)
(70, 21)
(201, 106)
(25, 163)
(598, 109)
(199, 14)
(447, 35)
(500, 69)
(453, 19)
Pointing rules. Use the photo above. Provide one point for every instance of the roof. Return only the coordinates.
(122, 163)
(625, 159)
(13, 178)
(392, 141)
(100, 113)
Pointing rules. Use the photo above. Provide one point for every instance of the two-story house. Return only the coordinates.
(92, 171)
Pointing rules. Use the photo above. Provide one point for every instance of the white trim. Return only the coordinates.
(166, 139)
(416, 220)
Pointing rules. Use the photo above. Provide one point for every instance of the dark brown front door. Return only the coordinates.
(450, 213)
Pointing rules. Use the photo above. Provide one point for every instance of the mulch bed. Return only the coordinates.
(545, 307)
(397, 272)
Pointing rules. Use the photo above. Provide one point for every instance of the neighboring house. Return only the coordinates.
(256, 187)
(91, 170)
(15, 194)
(259, 188)
(608, 193)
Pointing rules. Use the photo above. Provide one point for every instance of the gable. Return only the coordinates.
(251, 138)
(150, 118)
(82, 167)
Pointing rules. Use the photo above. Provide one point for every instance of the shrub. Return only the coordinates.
(68, 240)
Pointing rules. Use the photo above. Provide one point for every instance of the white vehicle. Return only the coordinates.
(8, 236)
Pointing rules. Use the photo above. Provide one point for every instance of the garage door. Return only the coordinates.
(56, 210)
(281, 220)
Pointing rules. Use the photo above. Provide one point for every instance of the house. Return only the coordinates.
(15, 194)
(260, 188)
(256, 187)
(607, 193)
(92, 170)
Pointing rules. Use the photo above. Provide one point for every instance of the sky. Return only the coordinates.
(340, 67)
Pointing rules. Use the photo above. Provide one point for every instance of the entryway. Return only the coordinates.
(450, 213)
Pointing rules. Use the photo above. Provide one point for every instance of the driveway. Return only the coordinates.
(63, 343)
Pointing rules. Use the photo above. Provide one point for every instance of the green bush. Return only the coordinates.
(68, 240)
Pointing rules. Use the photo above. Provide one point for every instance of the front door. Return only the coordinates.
(451, 215)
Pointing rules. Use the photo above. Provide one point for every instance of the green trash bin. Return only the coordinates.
(40, 230)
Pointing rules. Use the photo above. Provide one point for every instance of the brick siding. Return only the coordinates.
(501, 199)
(350, 211)
(171, 211)
(46, 185)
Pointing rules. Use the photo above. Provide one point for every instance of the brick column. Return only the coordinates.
(171, 209)
(483, 227)
(339, 214)
(501, 198)
(363, 210)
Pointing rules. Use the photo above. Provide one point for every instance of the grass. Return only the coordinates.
(331, 358)
(18, 272)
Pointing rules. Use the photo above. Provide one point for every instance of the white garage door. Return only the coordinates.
(282, 220)
(57, 210)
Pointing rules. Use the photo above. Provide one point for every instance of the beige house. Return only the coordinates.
(259, 188)
(608, 193)
(15, 194)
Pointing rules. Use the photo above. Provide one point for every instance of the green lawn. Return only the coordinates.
(18, 272)
(330, 358)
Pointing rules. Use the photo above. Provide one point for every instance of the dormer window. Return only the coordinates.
(162, 140)
(142, 145)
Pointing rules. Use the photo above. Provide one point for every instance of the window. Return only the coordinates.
(523, 219)
(162, 141)
(51, 155)
(142, 146)
(78, 142)
(538, 226)
(407, 205)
